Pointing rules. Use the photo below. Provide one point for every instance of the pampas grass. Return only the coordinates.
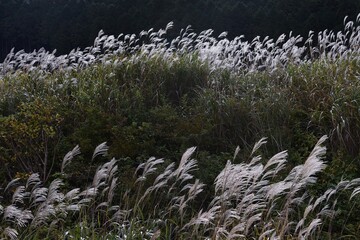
(250, 201)
(254, 197)
(237, 54)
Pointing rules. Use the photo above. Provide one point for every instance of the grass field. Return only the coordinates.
(144, 95)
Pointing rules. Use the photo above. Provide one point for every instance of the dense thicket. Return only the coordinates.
(67, 24)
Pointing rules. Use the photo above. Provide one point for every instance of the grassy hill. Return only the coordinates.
(147, 95)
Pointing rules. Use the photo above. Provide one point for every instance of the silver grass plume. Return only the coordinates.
(104, 172)
(38, 196)
(203, 218)
(147, 168)
(186, 165)
(33, 180)
(69, 156)
(11, 233)
(100, 150)
(17, 216)
(257, 145)
(12, 183)
(43, 214)
(19, 194)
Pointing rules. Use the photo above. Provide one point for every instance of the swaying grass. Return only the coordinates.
(250, 201)
(147, 94)
(237, 54)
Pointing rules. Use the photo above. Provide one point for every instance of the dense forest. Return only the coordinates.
(68, 24)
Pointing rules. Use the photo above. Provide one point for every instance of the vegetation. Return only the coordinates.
(251, 200)
(148, 95)
(67, 24)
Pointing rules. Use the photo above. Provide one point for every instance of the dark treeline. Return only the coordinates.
(68, 24)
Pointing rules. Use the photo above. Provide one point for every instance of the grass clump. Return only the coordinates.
(251, 200)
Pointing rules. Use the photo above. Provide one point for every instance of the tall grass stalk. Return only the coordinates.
(250, 201)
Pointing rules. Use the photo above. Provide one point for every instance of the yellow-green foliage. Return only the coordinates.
(29, 137)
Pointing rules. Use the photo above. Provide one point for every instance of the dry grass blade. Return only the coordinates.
(112, 190)
(11, 233)
(17, 216)
(267, 233)
(355, 192)
(11, 184)
(305, 233)
(257, 145)
(39, 195)
(204, 218)
(184, 160)
(89, 193)
(162, 178)
(104, 173)
(43, 214)
(19, 194)
(148, 168)
(100, 150)
(278, 159)
(54, 193)
(251, 220)
(314, 163)
(72, 194)
(235, 232)
(237, 150)
(33, 180)
(69, 156)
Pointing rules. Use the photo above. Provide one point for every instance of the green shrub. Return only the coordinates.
(29, 138)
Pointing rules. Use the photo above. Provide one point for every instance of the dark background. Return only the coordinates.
(68, 24)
